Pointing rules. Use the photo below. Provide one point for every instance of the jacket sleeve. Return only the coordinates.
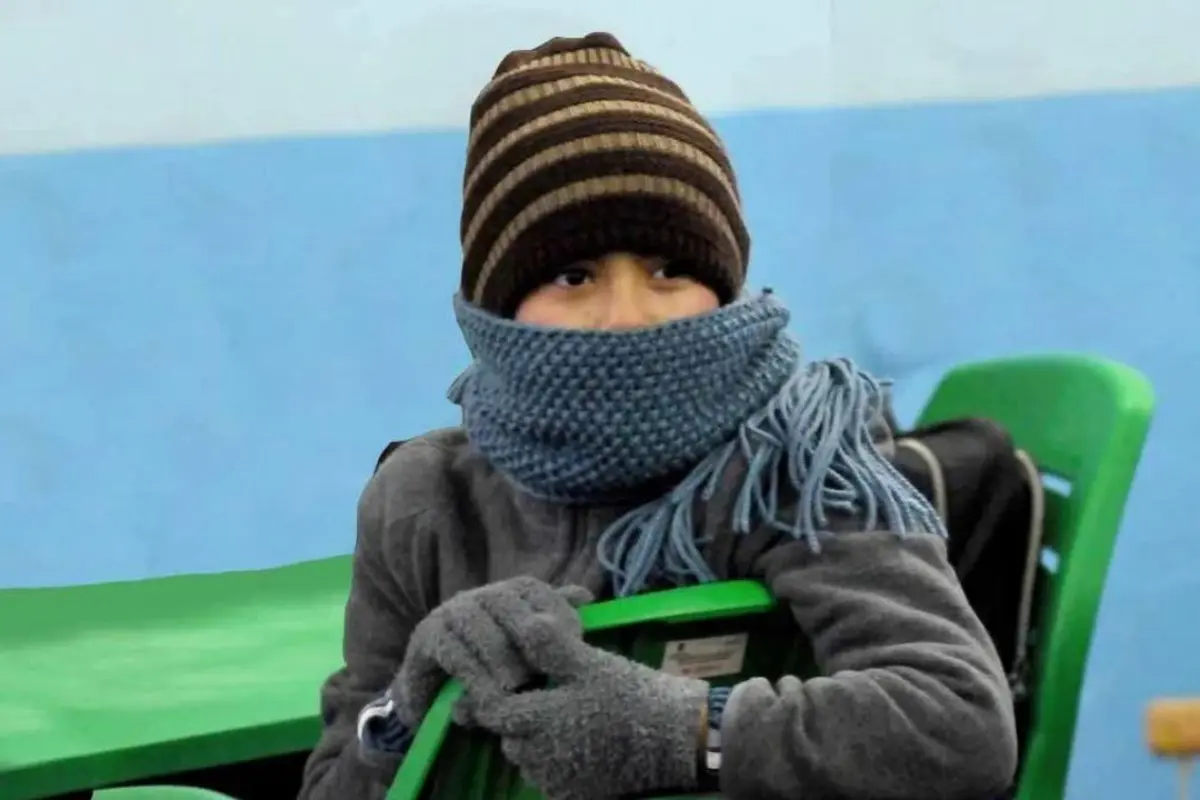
(912, 701)
(379, 619)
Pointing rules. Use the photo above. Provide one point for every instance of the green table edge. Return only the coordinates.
(100, 770)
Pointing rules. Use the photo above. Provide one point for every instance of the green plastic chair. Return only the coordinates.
(1082, 419)
(159, 793)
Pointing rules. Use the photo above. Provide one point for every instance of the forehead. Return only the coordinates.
(625, 260)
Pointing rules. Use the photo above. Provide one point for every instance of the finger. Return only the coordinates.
(524, 585)
(499, 662)
(510, 611)
(548, 649)
(511, 715)
(504, 614)
(473, 698)
(512, 749)
(546, 599)
(518, 752)
(426, 669)
(417, 660)
(577, 596)
(551, 603)
(463, 714)
(417, 683)
(513, 613)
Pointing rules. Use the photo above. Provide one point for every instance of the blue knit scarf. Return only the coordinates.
(594, 417)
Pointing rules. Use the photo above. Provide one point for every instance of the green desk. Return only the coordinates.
(117, 682)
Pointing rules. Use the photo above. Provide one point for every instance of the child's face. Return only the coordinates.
(618, 291)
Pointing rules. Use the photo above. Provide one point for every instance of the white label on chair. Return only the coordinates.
(706, 658)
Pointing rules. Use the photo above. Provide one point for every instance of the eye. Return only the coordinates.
(672, 271)
(573, 276)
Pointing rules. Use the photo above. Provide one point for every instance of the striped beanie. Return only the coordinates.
(577, 150)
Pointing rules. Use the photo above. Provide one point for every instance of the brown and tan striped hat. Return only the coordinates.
(576, 150)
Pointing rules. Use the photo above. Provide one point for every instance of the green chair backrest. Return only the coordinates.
(455, 764)
(1084, 420)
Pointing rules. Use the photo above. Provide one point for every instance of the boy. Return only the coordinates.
(630, 421)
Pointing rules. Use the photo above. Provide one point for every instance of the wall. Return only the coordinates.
(227, 243)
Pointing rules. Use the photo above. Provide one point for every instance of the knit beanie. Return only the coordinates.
(577, 150)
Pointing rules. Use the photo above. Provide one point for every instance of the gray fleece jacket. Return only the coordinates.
(913, 704)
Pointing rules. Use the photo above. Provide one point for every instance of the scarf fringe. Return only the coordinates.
(815, 441)
(458, 386)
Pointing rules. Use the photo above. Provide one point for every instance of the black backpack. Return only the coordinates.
(989, 494)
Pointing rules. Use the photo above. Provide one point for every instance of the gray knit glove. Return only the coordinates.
(467, 638)
(606, 727)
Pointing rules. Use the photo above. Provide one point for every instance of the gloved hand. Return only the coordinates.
(606, 727)
(467, 638)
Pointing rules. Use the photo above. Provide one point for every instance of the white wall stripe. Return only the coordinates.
(82, 73)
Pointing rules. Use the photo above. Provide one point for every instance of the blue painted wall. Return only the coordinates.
(203, 346)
